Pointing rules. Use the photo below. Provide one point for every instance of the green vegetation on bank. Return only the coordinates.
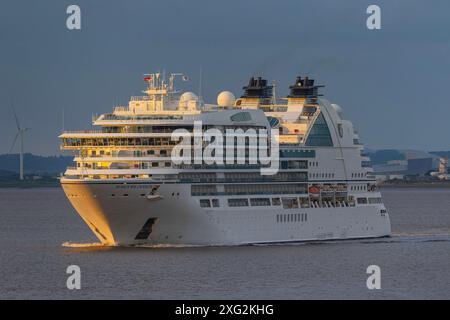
(40, 171)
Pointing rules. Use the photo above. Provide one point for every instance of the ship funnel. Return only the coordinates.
(304, 88)
(257, 88)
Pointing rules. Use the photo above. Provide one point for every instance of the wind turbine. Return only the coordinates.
(20, 132)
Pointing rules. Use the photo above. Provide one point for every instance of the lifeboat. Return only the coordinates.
(314, 190)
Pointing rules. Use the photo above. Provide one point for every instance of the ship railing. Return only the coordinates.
(302, 121)
(122, 130)
(217, 166)
(107, 168)
(143, 117)
(219, 180)
(124, 145)
(140, 98)
(246, 193)
(273, 108)
(120, 109)
(82, 131)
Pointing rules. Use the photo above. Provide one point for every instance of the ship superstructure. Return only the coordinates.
(129, 190)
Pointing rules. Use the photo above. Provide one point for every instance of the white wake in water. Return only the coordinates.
(395, 238)
(84, 245)
(417, 237)
(152, 246)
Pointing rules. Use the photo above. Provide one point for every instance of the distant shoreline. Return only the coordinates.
(26, 184)
(419, 184)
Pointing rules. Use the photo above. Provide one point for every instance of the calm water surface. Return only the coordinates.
(35, 223)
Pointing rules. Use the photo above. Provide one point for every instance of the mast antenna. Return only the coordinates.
(63, 120)
(200, 98)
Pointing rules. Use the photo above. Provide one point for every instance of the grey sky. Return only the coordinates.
(393, 83)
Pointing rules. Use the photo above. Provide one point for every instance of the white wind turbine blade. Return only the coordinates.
(14, 141)
(15, 117)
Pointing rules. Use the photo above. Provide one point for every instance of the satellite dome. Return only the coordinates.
(187, 96)
(187, 100)
(226, 99)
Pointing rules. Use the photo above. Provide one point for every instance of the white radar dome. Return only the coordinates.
(226, 99)
(188, 96)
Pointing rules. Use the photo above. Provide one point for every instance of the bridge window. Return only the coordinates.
(319, 134)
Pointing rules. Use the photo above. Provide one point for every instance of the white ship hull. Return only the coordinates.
(177, 218)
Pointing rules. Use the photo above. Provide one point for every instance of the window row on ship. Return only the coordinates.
(124, 153)
(74, 143)
(113, 142)
(236, 164)
(243, 189)
(322, 175)
(143, 129)
(159, 150)
(130, 141)
(214, 177)
(289, 202)
(138, 153)
(325, 191)
(169, 129)
(362, 187)
(359, 174)
(241, 177)
(295, 175)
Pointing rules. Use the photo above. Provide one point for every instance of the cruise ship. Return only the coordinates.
(133, 184)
